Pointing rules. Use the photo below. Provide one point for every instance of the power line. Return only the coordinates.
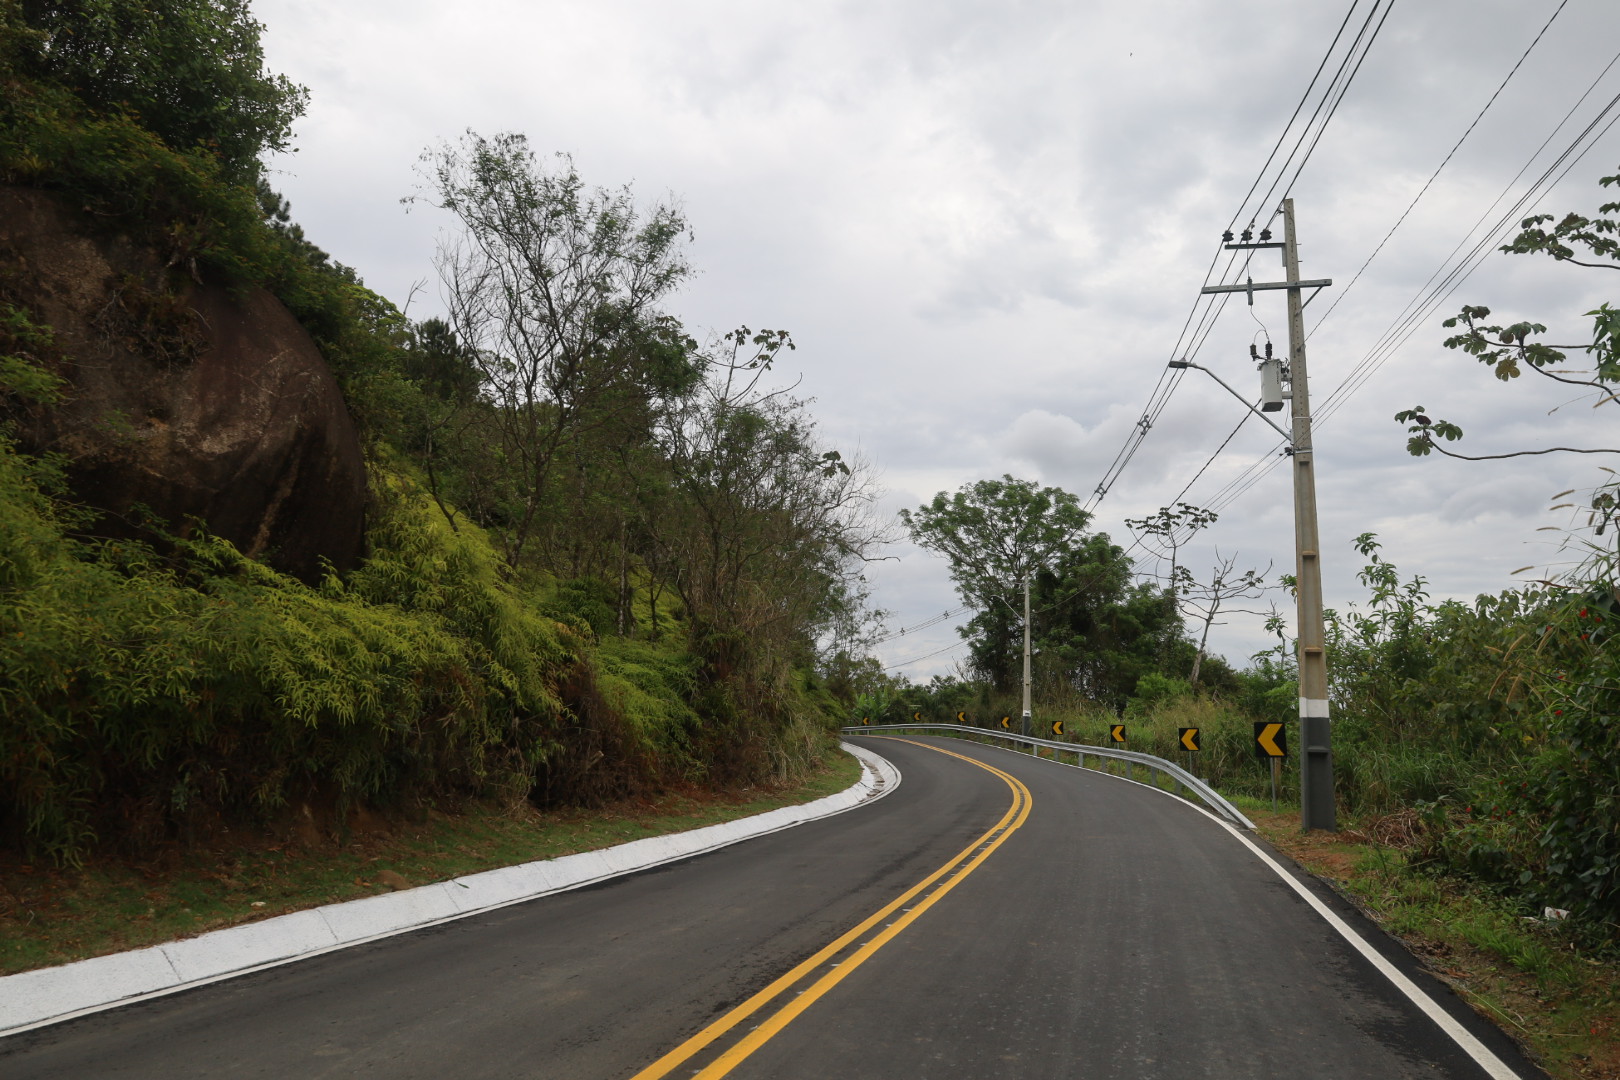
(924, 625)
(1411, 318)
(924, 656)
(1397, 334)
(1206, 313)
(1283, 134)
(1452, 152)
(1343, 89)
(1426, 299)
(1218, 451)
(1329, 93)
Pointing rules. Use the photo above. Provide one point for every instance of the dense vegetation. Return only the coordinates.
(602, 557)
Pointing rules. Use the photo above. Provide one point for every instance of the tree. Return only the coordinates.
(190, 71)
(759, 528)
(1171, 527)
(1089, 624)
(553, 287)
(1097, 630)
(1204, 601)
(1509, 350)
(996, 534)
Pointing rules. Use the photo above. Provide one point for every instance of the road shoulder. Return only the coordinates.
(35, 998)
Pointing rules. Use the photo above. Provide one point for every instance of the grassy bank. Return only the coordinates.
(52, 915)
(1532, 977)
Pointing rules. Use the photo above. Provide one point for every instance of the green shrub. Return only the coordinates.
(1154, 690)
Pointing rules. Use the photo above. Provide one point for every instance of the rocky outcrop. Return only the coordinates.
(191, 401)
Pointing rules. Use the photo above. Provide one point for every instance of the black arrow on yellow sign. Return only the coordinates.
(1189, 739)
(1270, 740)
(1006, 723)
(1057, 727)
(1117, 732)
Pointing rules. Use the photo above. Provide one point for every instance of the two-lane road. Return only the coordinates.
(1022, 920)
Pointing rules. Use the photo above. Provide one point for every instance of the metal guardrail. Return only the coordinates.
(1181, 777)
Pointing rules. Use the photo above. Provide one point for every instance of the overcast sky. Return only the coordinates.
(985, 224)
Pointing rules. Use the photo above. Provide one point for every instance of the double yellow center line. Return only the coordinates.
(864, 941)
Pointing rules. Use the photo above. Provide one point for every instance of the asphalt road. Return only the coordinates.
(1081, 927)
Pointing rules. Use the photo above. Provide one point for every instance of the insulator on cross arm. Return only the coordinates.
(1226, 237)
(1265, 235)
(1248, 234)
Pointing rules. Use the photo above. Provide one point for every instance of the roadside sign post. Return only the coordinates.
(1271, 743)
(1188, 737)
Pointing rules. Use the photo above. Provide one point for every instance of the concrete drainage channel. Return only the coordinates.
(35, 998)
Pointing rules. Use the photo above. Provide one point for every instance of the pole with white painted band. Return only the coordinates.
(1315, 726)
(1025, 728)
(1316, 809)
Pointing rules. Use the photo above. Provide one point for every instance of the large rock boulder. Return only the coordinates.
(193, 401)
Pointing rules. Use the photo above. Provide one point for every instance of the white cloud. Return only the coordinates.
(985, 223)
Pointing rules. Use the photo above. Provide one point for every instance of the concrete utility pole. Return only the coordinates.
(1315, 726)
(1317, 809)
(1026, 654)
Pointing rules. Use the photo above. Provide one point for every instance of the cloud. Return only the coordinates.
(985, 225)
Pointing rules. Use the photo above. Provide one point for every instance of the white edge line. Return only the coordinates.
(1494, 1066)
(878, 774)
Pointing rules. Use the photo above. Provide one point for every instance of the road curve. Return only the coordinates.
(1082, 927)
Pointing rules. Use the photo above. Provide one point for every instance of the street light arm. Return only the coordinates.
(1234, 393)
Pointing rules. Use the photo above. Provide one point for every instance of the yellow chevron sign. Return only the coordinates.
(1270, 740)
(917, 716)
(1117, 732)
(1006, 723)
(866, 721)
(1189, 738)
(1057, 727)
(961, 718)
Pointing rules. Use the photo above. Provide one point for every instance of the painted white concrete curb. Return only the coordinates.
(35, 998)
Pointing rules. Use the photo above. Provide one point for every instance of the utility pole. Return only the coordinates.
(1317, 809)
(1315, 726)
(1026, 654)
